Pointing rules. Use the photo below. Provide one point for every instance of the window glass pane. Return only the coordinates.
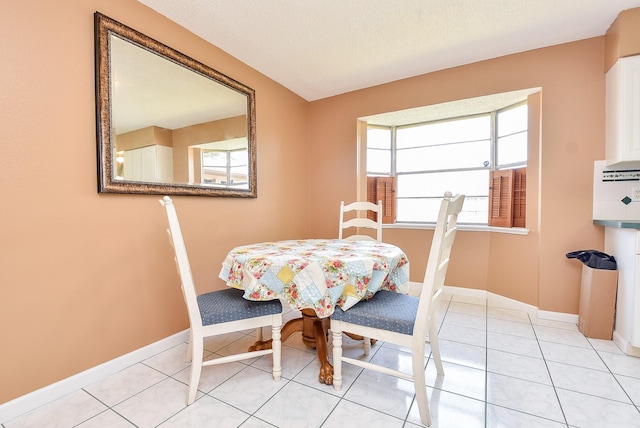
(417, 210)
(228, 168)
(239, 157)
(239, 175)
(214, 175)
(449, 156)
(475, 210)
(379, 161)
(435, 184)
(512, 149)
(512, 120)
(453, 131)
(214, 158)
(216, 170)
(379, 138)
(425, 210)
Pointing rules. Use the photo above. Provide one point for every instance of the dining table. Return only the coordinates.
(315, 277)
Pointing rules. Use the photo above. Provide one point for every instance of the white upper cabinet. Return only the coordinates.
(150, 164)
(623, 113)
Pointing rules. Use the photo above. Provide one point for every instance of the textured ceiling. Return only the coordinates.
(321, 48)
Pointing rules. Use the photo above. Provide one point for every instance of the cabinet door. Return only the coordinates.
(164, 164)
(623, 111)
(152, 164)
(132, 168)
(631, 106)
(148, 163)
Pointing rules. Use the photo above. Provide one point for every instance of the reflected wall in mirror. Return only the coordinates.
(167, 124)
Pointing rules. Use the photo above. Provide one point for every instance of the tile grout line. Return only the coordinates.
(555, 391)
(614, 376)
(342, 398)
(109, 408)
(486, 364)
(599, 354)
(429, 359)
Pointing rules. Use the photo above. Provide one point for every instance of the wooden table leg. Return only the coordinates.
(314, 335)
(316, 330)
(326, 369)
(290, 327)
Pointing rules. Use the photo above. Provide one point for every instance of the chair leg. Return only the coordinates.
(276, 346)
(337, 359)
(419, 384)
(435, 347)
(189, 350)
(197, 354)
(366, 343)
(259, 334)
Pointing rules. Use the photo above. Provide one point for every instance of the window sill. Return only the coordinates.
(465, 227)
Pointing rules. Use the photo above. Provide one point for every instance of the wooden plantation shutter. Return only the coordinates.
(501, 198)
(371, 197)
(508, 198)
(383, 188)
(520, 198)
(386, 190)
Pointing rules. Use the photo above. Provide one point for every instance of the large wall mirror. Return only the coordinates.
(167, 124)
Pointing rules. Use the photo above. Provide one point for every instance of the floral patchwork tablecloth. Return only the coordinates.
(317, 274)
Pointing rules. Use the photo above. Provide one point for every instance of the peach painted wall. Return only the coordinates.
(88, 277)
(533, 268)
(623, 37)
(144, 137)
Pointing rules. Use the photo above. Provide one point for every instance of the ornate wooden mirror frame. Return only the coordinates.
(168, 124)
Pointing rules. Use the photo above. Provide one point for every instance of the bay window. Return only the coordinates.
(482, 156)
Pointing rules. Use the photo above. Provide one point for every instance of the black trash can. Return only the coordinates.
(598, 288)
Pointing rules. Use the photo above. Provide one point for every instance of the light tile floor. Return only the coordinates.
(501, 370)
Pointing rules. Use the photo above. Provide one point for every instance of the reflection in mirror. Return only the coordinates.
(168, 124)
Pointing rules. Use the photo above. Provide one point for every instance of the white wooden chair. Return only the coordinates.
(403, 319)
(219, 312)
(362, 209)
(364, 222)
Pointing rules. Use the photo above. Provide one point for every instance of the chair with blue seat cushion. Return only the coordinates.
(361, 222)
(219, 312)
(403, 319)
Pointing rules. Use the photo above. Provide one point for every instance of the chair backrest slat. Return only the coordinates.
(182, 263)
(438, 262)
(361, 222)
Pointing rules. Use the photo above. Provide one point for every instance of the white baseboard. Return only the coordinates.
(625, 345)
(558, 316)
(505, 302)
(49, 393)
